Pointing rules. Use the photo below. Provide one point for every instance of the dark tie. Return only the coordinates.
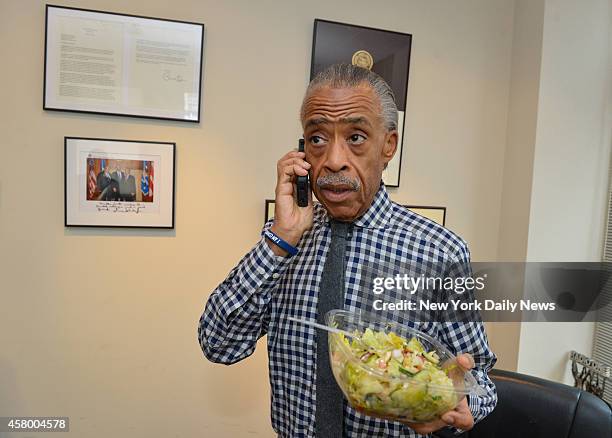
(329, 413)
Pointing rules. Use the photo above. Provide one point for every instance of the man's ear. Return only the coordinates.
(390, 146)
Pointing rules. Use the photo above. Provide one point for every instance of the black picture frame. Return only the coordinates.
(423, 209)
(418, 209)
(333, 41)
(49, 107)
(168, 194)
(270, 204)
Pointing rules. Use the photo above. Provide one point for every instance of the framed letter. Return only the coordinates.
(107, 63)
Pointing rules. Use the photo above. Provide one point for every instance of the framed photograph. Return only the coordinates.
(383, 51)
(118, 183)
(436, 214)
(269, 210)
(118, 64)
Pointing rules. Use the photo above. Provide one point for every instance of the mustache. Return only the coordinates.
(338, 179)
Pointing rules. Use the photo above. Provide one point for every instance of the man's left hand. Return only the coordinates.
(460, 417)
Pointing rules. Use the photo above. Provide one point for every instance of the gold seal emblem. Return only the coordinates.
(362, 58)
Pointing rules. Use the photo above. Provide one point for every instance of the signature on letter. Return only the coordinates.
(168, 76)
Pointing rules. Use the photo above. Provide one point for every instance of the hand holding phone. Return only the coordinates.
(302, 183)
(291, 220)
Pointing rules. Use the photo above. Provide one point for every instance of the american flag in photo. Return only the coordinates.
(91, 180)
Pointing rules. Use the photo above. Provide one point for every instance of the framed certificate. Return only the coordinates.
(436, 214)
(382, 51)
(108, 63)
(118, 183)
(269, 210)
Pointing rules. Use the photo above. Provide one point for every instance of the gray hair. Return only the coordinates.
(351, 76)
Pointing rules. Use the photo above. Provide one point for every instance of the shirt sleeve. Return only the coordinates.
(236, 314)
(469, 337)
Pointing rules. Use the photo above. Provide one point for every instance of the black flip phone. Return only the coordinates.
(302, 183)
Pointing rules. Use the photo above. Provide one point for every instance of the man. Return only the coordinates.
(349, 119)
(124, 190)
(117, 184)
(103, 181)
(130, 186)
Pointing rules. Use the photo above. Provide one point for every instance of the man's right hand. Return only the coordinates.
(290, 221)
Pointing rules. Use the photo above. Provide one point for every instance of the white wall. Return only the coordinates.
(518, 157)
(521, 129)
(570, 169)
(111, 341)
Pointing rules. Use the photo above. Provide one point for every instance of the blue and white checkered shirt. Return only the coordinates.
(258, 295)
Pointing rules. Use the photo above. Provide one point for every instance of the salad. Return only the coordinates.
(389, 376)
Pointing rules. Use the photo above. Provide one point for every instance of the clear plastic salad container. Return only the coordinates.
(394, 372)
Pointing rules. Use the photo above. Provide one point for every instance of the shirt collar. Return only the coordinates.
(377, 215)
